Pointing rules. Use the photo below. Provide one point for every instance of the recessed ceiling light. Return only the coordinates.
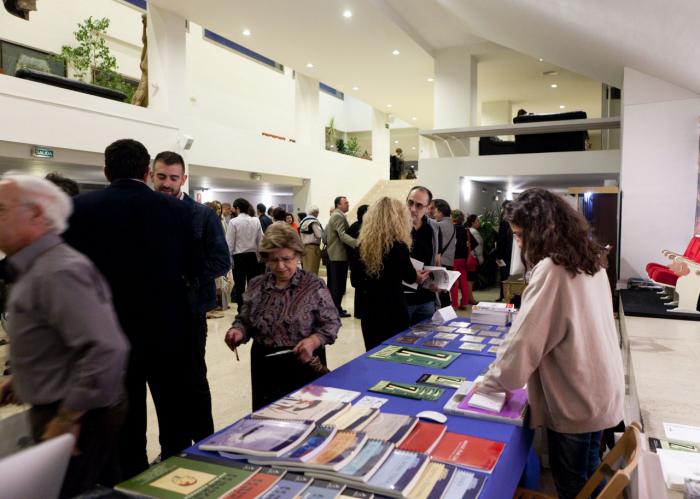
(396, 142)
(413, 148)
(309, 65)
(355, 88)
(246, 32)
(396, 52)
(347, 13)
(562, 106)
(431, 80)
(554, 85)
(414, 118)
(540, 59)
(388, 105)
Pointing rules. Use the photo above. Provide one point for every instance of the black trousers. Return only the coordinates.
(337, 281)
(202, 421)
(245, 267)
(169, 379)
(97, 462)
(274, 377)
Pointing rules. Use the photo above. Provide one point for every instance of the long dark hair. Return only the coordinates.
(552, 228)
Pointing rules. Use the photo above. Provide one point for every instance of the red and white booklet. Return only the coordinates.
(467, 451)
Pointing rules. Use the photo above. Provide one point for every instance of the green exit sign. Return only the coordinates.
(42, 152)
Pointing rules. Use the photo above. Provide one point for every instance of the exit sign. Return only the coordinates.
(42, 152)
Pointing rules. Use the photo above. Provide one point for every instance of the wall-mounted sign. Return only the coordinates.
(42, 152)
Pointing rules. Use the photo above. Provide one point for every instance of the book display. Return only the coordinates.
(468, 452)
(302, 409)
(440, 380)
(512, 411)
(415, 356)
(408, 390)
(259, 437)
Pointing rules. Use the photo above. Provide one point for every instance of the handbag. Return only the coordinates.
(472, 262)
(324, 256)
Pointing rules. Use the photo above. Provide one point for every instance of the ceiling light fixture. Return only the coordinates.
(413, 148)
(396, 52)
(347, 13)
(554, 85)
(309, 65)
(414, 118)
(396, 142)
(355, 88)
(430, 80)
(388, 105)
(562, 106)
(540, 59)
(246, 32)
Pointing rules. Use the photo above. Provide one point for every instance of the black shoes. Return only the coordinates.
(344, 313)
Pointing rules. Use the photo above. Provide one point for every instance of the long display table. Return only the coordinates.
(362, 373)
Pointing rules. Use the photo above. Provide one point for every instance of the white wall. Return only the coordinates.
(478, 197)
(659, 176)
(442, 175)
(252, 197)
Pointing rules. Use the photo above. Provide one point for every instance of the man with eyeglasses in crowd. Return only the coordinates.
(421, 301)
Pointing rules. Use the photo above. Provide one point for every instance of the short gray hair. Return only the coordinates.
(313, 210)
(55, 204)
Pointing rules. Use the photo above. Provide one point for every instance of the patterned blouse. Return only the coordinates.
(283, 317)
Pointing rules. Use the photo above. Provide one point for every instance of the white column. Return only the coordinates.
(309, 130)
(167, 58)
(454, 93)
(381, 140)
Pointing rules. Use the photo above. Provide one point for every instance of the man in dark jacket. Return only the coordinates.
(211, 261)
(504, 248)
(142, 243)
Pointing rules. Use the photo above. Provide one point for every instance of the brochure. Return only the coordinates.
(349, 493)
(390, 427)
(339, 452)
(408, 340)
(467, 451)
(259, 437)
(433, 482)
(513, 412)
(436, 343)
(322, 489)
(373, 402)
(364, 465)
(289, 487)
(296, 409)
(472, 347)
(318, 392)
(658, 443)
(424, 437)
(258, 484)
(492, 334)
(442, 278)
(312, 445)
(181, 476)
(441, 380)
(415, 356)
(355, 418)
(408, 390)
(399, 474)
(464, 485)
(471, 338)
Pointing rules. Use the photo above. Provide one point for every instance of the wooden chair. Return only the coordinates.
(626, 453)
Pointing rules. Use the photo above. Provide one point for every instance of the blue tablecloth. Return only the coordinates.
(361, 373)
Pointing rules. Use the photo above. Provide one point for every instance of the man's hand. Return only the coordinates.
(66, 421)
(7, 393)
(422, 275)
(233, 338)
(304, 350)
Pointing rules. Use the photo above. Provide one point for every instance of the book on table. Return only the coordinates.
(364, 464)
(445, 481)
(514, 410)
(302, 409)
(467, 451)
(259, 437)
(342, 449)
(188, 476)
(464, 484)
(306, 450)
(258, 484)
(329, 393)
(355, 418)
(392, 428)
(440, 380)
(424, 437)
(407, 390)
(398, 475)
(289, 487)
(350, 493)
(323, 489)
(677, 465)
(415, 356)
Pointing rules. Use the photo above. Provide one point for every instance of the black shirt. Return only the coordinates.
(461, 250)
(423, 251)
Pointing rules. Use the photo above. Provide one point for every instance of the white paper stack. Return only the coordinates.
(495, 314)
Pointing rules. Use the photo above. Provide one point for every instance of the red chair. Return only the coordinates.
(662, 274)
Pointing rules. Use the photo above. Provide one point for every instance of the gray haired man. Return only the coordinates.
(311, 231)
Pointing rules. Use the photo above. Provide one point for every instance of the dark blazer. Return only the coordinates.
(504, 243)
(142, 243)
(211, 252)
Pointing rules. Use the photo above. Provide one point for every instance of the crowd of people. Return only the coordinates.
(111, 292)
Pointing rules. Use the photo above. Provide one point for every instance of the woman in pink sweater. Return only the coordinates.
(564, 343)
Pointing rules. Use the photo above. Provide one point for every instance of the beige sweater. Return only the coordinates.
(564, 345)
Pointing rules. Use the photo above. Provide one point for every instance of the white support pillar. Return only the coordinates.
(454, 94)
(381, 140)
(309, 130)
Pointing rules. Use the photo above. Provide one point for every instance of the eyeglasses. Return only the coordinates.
(285, 260)
(419, 206)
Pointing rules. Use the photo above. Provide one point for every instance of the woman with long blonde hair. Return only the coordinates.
(385, 243)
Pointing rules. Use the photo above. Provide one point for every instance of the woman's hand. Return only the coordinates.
(422, 275)
(304, 350)
(233, 338)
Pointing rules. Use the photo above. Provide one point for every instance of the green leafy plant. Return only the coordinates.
(91, 60)
(340, 146)
(352, 147)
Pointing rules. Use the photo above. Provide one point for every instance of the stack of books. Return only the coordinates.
(496, 407)
(494, 314)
